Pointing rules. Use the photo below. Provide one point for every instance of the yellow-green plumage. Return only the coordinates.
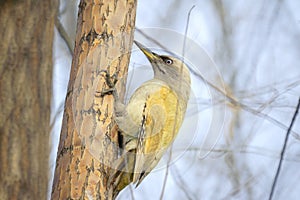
(164, 113)
(152, 118)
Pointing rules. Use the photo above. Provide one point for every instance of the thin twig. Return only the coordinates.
(151, 38)
(166, 175)
(58, 112)
(243, 149)
(181, 184)
(63, 33)
(283, 151)
(131, 192)
(177, 107)
(223, 93)
(186, 31)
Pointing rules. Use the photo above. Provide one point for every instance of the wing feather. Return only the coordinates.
(161, 117)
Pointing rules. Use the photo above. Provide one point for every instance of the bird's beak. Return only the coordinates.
(149, 54)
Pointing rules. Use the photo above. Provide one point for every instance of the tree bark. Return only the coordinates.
(88, 141)
(27, 29)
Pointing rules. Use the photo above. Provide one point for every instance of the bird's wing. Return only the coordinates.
(161, 119)
(123, 119)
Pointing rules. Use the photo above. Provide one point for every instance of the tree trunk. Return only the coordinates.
(87, 145)
(27, 29)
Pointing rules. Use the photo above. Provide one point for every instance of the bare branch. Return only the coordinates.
(63, 33)
(283, 151)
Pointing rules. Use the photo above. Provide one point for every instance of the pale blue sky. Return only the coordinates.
(251, 50)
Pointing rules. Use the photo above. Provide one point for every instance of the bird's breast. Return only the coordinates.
(158, 109)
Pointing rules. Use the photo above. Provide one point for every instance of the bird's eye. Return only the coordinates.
(168, 61)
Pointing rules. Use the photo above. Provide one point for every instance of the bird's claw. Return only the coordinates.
(110, 82)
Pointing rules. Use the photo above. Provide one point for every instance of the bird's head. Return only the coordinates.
(170, 70)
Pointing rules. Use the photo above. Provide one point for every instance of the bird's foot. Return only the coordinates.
(110, 82)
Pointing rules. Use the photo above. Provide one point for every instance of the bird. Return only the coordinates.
(150, 121)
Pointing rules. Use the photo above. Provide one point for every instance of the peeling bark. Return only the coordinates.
(87, 146)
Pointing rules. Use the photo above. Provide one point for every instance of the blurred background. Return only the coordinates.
(244, 61)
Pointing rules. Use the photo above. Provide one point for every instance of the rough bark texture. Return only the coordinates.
(87, 142)
(27, 29)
